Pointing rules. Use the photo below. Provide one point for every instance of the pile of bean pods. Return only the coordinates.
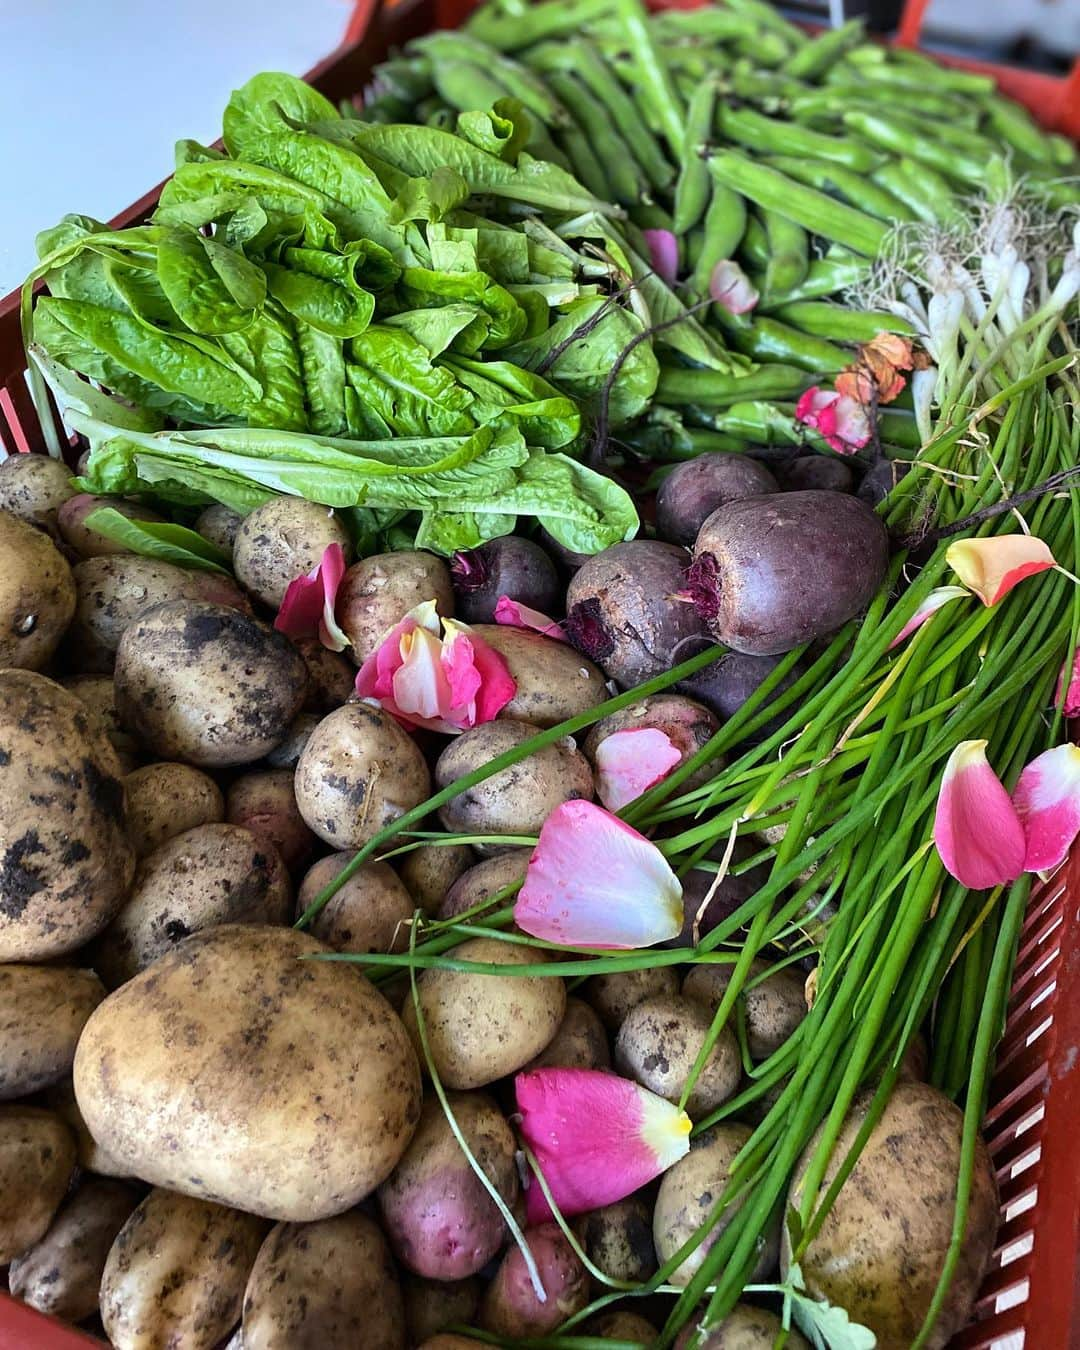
(748, 140)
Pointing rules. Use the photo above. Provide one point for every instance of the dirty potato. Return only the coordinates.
(554, 681)
(281, 540)
(34, 487)
(484, 880)
(37, 1158)
(37, 595)
(165, 800)
(43, 1010)
(379, 591)
(370, 913)
(658, 1044)
(429, 871)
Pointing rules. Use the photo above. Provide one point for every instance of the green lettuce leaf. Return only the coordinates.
(159, 539)
(502, 131)
(393, 375)
(429, 198)
(583, 510)
(211, 288)
(420, 287)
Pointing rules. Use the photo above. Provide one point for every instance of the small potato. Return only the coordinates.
(281, 540)
(87, 543)
(580, 1042)
(265, 804)
(658, 1044)
(331, 676)
(165, 800)
(370, 913)
(510, 1307)
(99, 695)
(618, 1239)
(687, 1198)
(37, 595)
(92, 1157)
(686, 724)
(440, 1220)
(175, 1275)
(65, 862)
(482, 1027)
(774, 1008)
(210, 875)
(207, 684)
(218, 524)
(287, 754)
(329, 1285)
(61, 1274)
(43, 1010)
(379, 591)
(429, 871)
(113, 591)
(517, 800)
(359, 771)
(744, 1328)
(484, 879)
(446, 1341)
(613, 996)
(431, 1305)
(194, 1072)
(623, 1326)
(553, 680)
(34, 487)
(880, 1248)
(37, 1158)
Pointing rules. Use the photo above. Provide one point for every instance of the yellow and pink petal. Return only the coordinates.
(307, 608)
(1047, 800)
(927, 609)
(991, 567)
(630, 762)
(596, 1137)
(976, 827)
(592, 881)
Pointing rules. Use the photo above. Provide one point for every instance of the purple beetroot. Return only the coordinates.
(695, 489)
(504, 566)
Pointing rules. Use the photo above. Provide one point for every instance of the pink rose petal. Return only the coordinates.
(1047, 800)
(991, 567)
(852, 425)
(927, 609)
(596, 1137)
(631, 761)
(840, 419)
(730, 287)
(307, 608)
(496, 685)
(420, 687)
(516, 615)
(976, 828)
(663, 254)
(1071, 705)
(592, 881)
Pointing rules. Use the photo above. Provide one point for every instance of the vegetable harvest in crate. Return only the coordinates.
(527, 740)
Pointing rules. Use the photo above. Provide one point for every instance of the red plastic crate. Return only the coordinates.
(1031, 1297)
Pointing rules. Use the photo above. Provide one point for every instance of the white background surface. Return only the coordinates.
(93, 93)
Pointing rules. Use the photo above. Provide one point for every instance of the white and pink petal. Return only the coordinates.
(976, 827)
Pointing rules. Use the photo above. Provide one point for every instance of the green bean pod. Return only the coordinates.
(755, 243)
(765, 87)
(711, 388)
(759, 422)
(826, 276)
(898, 428)
(626, 180)
(652, 72)
(585, 163)
(911, 70)
(789, 252)
(854, 188)
(448, 46)
(694, 184)
(762, 15)
(829, 103)
(821, 53)
(768, 339)
(1014, 125)
(820, 318)
(769, 136)
(892, 134)
(534, 23)
(725, 225)
(926, 193)
(806, 206)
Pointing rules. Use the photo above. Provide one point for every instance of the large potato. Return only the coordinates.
(370, 913)
(34, 487)
(37, 594)
(231, 1069)
(483, 880)
(440, 1220)
(431, 1305)
(37, 1157)
(880, 1248)
(774, 1007)
(658, 1045)
(358, 772)
(175, 1275)
(430, 870)
(554, 681)
(329, 1285)
(210, 875)
(264, 803)
(688, 1195)
(207, 684)
(113, 591)
(744, 1328)
(482, 1027)
(379, 591)
(61, 1274)
(43, 1009)
(164, 800)
(65, 862)
(516, 800)
(281, 540)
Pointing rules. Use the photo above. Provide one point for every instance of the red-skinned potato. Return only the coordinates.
(264, 803)
(440, 1220)
(379, 591)
(87, 543)
(370, 913)
(510, 1307)
(37, 594)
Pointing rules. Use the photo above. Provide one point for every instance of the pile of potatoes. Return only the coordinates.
(204, 1133)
